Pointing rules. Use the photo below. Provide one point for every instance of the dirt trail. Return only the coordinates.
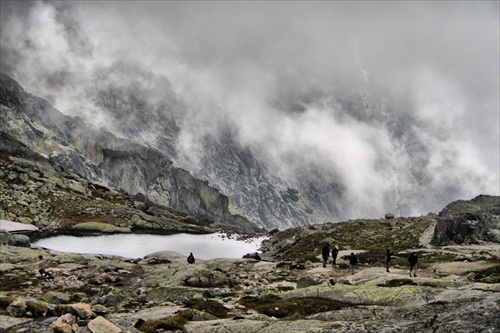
(426, 237)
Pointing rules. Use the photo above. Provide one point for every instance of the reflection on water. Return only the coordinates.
(138, 245)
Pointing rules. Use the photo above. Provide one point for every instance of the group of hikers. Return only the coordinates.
(325, 253)
(354, 260)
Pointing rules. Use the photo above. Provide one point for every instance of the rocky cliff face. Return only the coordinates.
(100, 156)
(469, 222)
(38, 192)
(230, 184)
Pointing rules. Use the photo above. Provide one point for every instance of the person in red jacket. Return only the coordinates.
(191, 258)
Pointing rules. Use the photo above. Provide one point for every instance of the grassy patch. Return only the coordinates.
(213, 307)
(488, 275)
(435, 258)
(16, 279)
(272, 305)
(399, 283)
(376, 236)
(311, 258)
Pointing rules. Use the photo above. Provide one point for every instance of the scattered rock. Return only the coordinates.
(101, 325)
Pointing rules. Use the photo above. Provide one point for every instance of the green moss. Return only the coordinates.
(99, 227)
(16, 279)
(37, 309)
(213, 307)
(488, 275)
(5, 301)
(435, 259)
(174, 293)
(298, 308)
(398, 283)
(174, 323)
(311, 258)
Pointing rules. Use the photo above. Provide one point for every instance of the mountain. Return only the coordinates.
(131, 130)
(244, 186)
(101, 157)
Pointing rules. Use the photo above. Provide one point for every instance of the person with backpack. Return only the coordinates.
(325, 253)
(388, 259)
(353, 260)
(412, 260)
(335, 252)
(190, 259)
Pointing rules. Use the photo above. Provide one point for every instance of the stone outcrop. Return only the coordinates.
(475, 221)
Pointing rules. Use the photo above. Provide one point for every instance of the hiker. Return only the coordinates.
(256, 256)
(388, 259)
(412, 260)
(335, 252)
(191, 258)
(325, 252)
(353, 260)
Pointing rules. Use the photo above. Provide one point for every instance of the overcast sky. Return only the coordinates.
(247, 62)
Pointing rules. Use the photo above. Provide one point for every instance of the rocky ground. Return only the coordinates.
(457, 288)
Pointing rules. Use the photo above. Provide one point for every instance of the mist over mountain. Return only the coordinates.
(297, 112)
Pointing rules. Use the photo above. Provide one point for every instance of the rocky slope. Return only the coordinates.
(100, 156)
(37, 191)
(457, 288)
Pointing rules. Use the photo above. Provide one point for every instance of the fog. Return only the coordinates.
(277, 72)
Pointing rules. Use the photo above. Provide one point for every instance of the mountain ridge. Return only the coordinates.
(68, 142)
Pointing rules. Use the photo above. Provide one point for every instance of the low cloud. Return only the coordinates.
(399, 100)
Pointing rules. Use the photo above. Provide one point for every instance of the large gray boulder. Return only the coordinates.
(19, 240)
(469, 222)
(307, 281)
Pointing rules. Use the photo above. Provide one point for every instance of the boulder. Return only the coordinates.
(102, 325)
(65, 324)
(307, 281)
(82, 310)
(57, 297)
(17, 308)
(19, 240)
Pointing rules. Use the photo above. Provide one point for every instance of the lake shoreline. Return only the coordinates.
(214, 245)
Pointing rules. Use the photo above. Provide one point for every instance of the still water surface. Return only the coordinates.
(139, 245)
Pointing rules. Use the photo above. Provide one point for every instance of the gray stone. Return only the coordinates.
(57, 297)
(19, 240)
(307, 281)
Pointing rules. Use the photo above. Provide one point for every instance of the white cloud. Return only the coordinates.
(277, 72)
